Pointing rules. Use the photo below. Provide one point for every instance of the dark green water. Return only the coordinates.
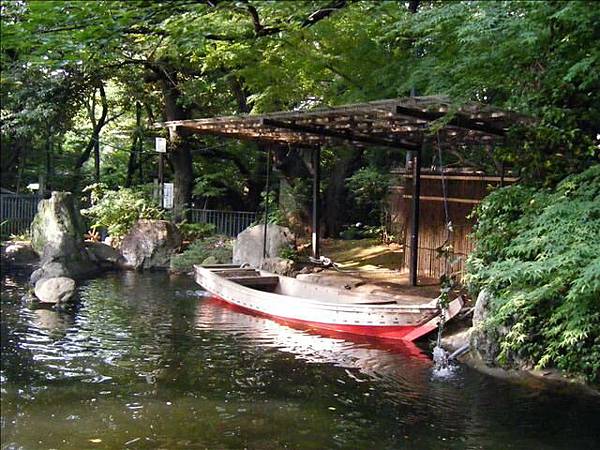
(146, 362)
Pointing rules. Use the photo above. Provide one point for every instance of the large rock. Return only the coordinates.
(279, 266)
(49, 270)
(248, 247)
(485, 337)
(57, 235)
(150, 244)
(56, 290)
(18, 254)
(104, 255)
(57, 222)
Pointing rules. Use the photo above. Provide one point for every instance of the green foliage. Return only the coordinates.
(193, 231)
(118, 211)
(289, 253)
(369, 188)
(219, 247)
(361, 231)
(275, 213)
(537, 252)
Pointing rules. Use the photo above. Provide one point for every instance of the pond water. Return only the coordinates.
(148, 361)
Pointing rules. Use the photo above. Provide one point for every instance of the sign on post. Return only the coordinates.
(161, 145)
(168, 195)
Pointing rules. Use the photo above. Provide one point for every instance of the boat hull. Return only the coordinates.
(379, 320)
(381, 332)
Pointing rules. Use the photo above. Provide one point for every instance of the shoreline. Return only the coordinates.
(549, 378)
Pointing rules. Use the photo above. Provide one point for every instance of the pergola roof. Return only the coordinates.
(399, 123)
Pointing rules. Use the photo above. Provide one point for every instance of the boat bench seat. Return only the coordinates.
(256, 281)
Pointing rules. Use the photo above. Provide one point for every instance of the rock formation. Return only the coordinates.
(150, 244)
(248, 247)
(57, 290)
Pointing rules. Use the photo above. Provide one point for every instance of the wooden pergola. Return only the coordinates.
(401, 123)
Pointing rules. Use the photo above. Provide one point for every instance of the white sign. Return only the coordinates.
(161, 145)
(168, 195)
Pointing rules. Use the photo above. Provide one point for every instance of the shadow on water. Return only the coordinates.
(147, 361)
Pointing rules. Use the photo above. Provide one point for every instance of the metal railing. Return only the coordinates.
(229, 223)
(17, 213)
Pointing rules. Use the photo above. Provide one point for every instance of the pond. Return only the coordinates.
(148, 361)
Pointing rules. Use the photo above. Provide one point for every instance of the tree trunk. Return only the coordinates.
(97, 126)
(97, 158)
(334, 213)
(183, 176)
(180, 155)
(292, 165)
(135, 147)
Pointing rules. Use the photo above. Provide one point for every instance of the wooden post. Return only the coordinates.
(414, 225)
(161, 179)
(267, 188)
(316, 164)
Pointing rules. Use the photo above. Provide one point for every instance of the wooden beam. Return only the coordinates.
(458, 120)
(346, 135)
(473, 177)
(449, 199)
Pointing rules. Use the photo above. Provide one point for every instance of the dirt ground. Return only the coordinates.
(370, 267)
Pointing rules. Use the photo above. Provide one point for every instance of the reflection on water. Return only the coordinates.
(147, 361)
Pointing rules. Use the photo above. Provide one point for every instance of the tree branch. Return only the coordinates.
(324, 12)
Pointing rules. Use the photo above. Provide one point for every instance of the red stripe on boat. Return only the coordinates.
(388, 332)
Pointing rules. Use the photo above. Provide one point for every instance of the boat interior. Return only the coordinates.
(351, 292)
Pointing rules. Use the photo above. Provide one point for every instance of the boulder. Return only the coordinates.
(279, 266)
(248, 247)
(150, 244)
(19, 253)
(57, 222)
(50, 270)
(103, 254)
(55, 290)
(57, 235)
(485, 338)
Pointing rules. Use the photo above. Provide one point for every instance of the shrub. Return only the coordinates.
(369, 188)
(219, 247)
(537, 253)
(361, 231)
(118, 211)
(194, 231)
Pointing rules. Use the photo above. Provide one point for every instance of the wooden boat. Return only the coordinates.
(297, 302)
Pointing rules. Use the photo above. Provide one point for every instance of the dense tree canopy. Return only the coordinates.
(83, 82)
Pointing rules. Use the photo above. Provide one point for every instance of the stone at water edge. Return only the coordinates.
(248, 247)
(103, 254)
(19, 253)
(57, 235)
(485, 339)
(49, 270)
(57, 221)
(150, 244)
(56, 290)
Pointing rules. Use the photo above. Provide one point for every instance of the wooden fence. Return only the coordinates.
(229, 223)
(464, 190)
(16, 213)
